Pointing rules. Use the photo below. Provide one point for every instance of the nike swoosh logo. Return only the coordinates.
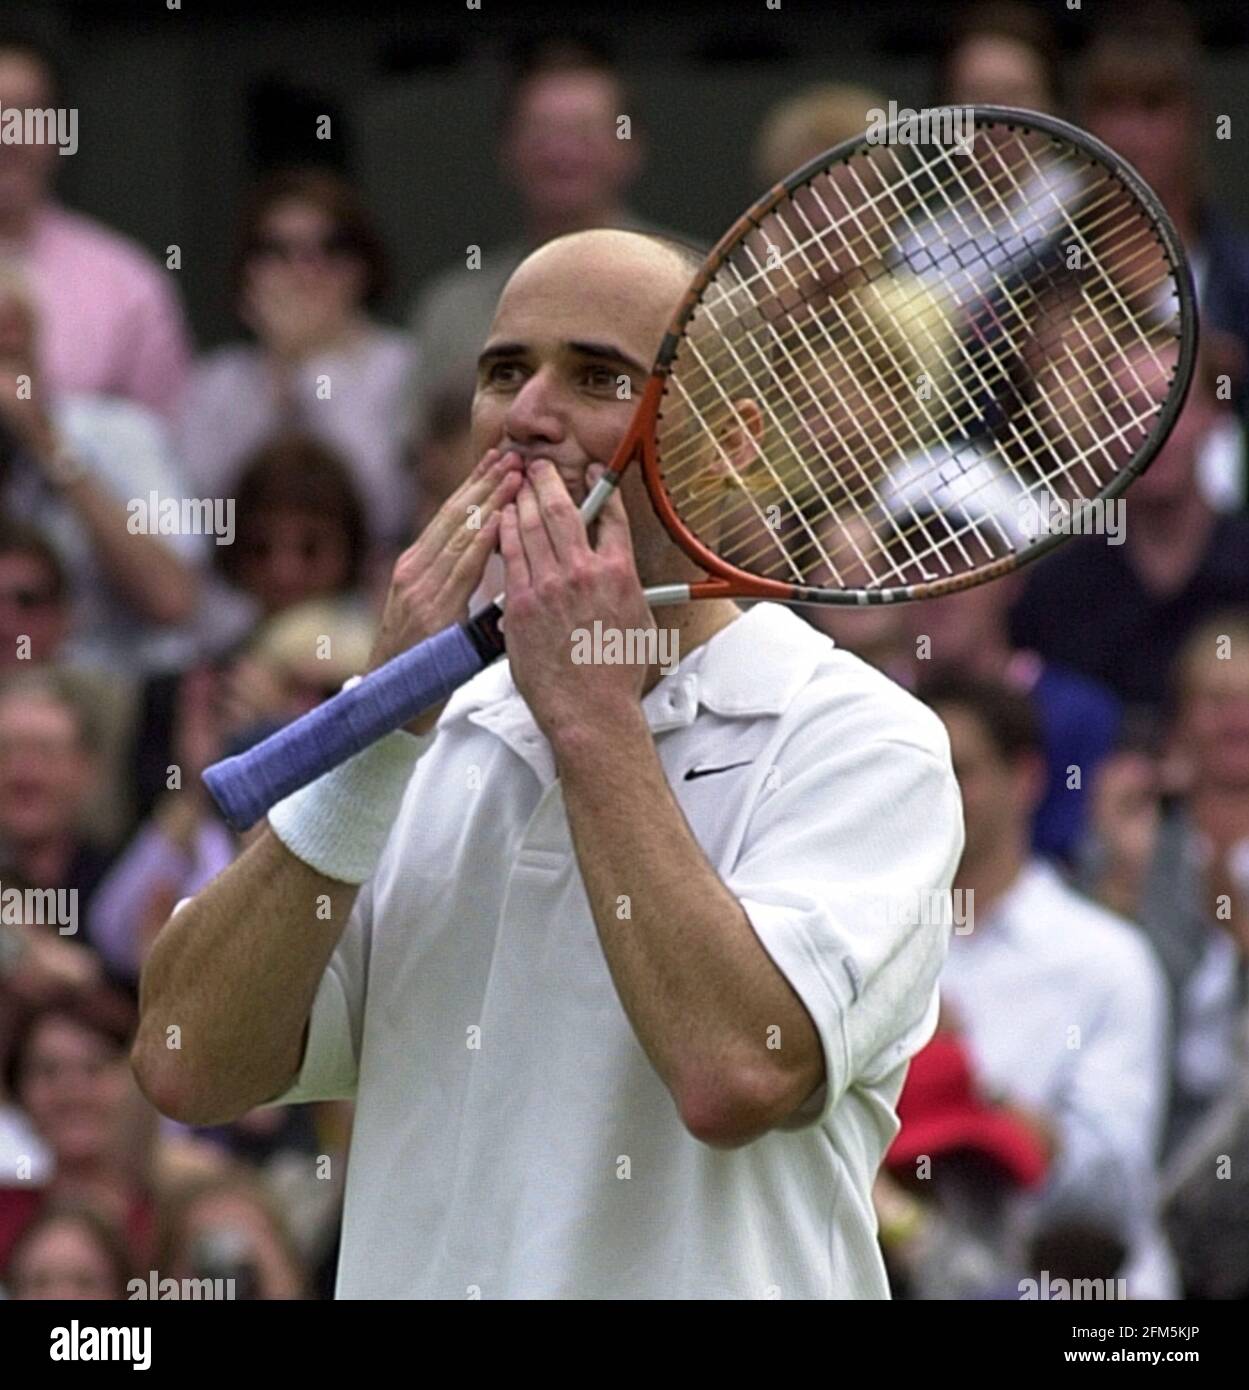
(707, 771)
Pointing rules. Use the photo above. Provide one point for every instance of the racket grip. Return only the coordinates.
(246, 786)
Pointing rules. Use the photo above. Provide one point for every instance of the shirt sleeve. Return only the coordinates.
(844, 875)
(331, 1060)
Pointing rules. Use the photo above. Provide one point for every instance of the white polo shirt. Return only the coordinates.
(1064, 1007)
(511, 1138)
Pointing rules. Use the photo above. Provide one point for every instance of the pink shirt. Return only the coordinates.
(110, 318)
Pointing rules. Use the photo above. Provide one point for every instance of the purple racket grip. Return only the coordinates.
(246, 786)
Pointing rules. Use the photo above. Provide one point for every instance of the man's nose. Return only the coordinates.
(536, 413)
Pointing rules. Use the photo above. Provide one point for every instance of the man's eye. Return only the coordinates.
(600, 378)
(503, 373)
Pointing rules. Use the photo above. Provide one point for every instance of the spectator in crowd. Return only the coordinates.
(999, 53)
(967, 634)
(309, 270)
(1118, 612)
(811, 121)
(300, 534)
(69, 1252)
(1062, 1004)
(48, 766)
(298, 659)
(442, 457)
(950, 1178)
(1140, 90)
(68, 1071)
(34, 597)
(1171, 849)
(561, 151)
(112, 322)
(231, 1228)
(82, 468)
(39, 967)
(35, 619)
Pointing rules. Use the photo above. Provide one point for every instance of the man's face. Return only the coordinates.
(45, 772)
(562, 153)
(290, 557)
(25, 170)
(994, 70)
(959, 626)
(1152, 130)
(578, 316)
(1214, 720)
(997, 792)
(74, 1084)
(29, 608)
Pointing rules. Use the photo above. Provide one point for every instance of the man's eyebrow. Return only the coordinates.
(498, 350)
(611, 353)
(604, 351)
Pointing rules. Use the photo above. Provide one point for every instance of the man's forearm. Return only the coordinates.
(230, 982)
(702, 994)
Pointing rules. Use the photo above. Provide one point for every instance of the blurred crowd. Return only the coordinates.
(194, 549)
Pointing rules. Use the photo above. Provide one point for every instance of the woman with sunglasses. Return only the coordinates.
(309, 269)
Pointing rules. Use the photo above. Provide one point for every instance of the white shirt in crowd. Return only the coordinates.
(1064, 1010)
(126, 449)
(511, 1138)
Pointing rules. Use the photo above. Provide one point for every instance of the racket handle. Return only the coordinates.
(246, 786)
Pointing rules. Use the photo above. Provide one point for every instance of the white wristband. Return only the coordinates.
(339, 824)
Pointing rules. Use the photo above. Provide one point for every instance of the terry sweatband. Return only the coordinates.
(339, 824)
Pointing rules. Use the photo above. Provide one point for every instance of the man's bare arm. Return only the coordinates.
(699, 988)
(235, 973)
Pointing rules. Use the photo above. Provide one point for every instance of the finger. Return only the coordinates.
(475, 491)
(515, 567)
(470, 566)
(475, 537)
(560, 514)
(539, 554)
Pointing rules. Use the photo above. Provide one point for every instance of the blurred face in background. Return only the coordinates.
(25, 170)
(1152, 124)
(996, 70)
(561, 152)
(64, 1260)
(1171, 477)
(1213, 723)
(46, 772)
(961, 627)
(998, 792)
(288, 557)
(74, 1083)
(29, 607)
(230, 1221)
(300, 248)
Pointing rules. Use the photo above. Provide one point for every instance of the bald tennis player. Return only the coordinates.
(622, 969)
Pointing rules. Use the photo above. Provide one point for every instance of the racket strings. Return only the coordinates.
(1143, 234)
(973, 360)
(691, 516)
(834, 510)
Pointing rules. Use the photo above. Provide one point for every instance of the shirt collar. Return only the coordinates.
(754, 667)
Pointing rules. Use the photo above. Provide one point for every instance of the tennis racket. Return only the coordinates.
(918, 363)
